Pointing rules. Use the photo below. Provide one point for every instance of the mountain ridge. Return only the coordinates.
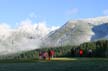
(75, 32)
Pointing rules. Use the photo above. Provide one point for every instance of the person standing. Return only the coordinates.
(40, 55)
(45, 54)
(81, 52)
(49, 54)
(90, 52)
(72, 52)
(52, 53)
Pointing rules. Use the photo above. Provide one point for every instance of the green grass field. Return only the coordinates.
(56, 64)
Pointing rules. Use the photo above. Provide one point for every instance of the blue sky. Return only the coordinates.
(53, 12)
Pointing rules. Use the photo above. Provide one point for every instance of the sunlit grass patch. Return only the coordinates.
(65, 59)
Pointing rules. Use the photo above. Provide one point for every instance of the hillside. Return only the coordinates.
(75, 32)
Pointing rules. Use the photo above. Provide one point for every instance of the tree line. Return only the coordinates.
(99, 49)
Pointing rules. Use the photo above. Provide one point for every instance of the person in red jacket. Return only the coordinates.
(52, 53)
(81, 52)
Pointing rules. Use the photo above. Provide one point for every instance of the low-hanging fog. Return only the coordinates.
(26, 36)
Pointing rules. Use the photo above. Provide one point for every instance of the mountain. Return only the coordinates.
(75, 32)
(30, 36)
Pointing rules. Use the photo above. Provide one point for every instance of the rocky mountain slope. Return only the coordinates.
(75, 32)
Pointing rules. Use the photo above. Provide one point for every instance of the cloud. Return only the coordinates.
(105, 12)
(40, 28)
(72, 11)
(4, 30)
(54, 28)
(20, 39)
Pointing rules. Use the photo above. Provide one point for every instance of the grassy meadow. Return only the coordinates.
(56, 64)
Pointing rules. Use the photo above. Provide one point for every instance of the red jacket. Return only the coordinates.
(52, 52)
(81, 52)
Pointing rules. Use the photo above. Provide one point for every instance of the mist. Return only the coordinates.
(25, 37)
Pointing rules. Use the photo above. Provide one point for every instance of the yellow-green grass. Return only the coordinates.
(64, 59)
(76, 59)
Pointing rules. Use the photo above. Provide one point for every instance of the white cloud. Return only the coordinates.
(105, 12)
(28, 26)
(72, 11)
(40, 28)
(17, 39)
(4, 30)
(54, 28)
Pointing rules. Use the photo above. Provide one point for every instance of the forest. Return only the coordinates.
(99, 49)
